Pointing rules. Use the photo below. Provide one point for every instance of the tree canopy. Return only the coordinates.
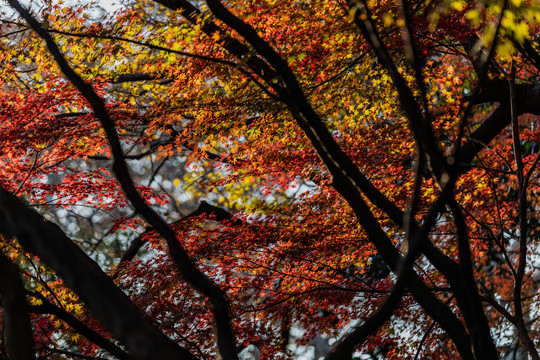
(270, 179)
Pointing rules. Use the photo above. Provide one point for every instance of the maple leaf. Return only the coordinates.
(250, 171)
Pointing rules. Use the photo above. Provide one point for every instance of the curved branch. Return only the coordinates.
(144, 44)
(225, 336)
(47, 307)
(347, 179)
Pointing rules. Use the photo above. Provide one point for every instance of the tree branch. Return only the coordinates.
(203, 209)
(347, 179)
(48, 308)
(81, 274)
(225, 337)
(16, 323)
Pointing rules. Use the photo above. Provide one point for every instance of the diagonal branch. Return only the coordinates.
(289, 92)
(347, 179)
(204, 208)
(225, 338)
(346, 346)
(47, 307)
(419, 124)
(81, 274)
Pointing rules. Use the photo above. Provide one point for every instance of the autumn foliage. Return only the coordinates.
(192, 180)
